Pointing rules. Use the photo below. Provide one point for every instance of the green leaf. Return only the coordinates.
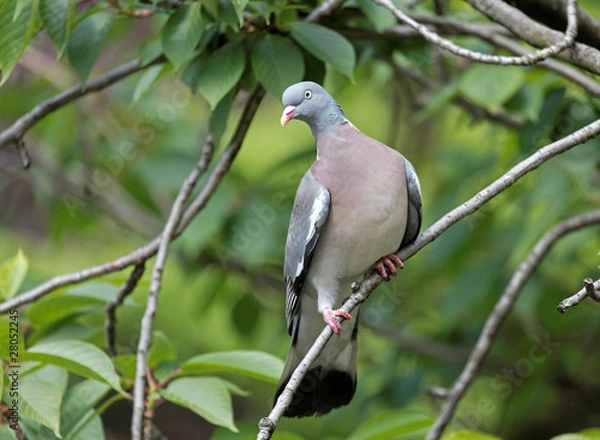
(390, 424)
(51, 309)
(327, 45)
(148, 80)
(40, 401)
(437, 101)
(79, 357)
(221, 72)
(379, 16)
(86, 40)
(218, 123)
(469, 435)
(12, 274)
(239, 6)
(162, 350)
(6, 433)
(150, 51)
(256, 364)
(78, 400)
(19, 8)
(182, 33)
(491, 86)
(57, 17)
(125, 363)
(277, 63)
(207, 396)
(16, 33)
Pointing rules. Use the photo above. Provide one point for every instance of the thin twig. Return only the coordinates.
(590, 289)
(155, 284)
(363, 289)
(150, 249)
(501, 311)
(25, 159)
(111, 307)
(13, 134)
(525, 60)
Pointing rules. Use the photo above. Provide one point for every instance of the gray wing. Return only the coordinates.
(311, 208)
(415, 210)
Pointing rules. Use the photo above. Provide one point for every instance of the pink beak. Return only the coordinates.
(288, 113)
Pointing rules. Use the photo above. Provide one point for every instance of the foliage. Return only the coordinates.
(105, 171)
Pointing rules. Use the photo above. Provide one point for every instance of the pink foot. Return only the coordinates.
(388, 264)
(331, 318)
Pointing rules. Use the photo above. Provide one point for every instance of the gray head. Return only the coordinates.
(309, 102)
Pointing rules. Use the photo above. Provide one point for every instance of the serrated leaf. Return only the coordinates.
(277, 64)
(491, 86)
(327, 45)
(16, 34)
(79, 357)
(256, 364)
(239, 6)
(77, 402)
(182, 33)
(148, 80)
(221, 72)
(390, 424)
(57, 17)
(207, 396)
(86, 40)
(162, 350)
(41, 401)
(12, 274)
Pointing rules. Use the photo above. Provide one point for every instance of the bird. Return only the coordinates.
(357, 205)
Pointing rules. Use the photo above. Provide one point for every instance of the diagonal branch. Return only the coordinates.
(13, 134)
(558, 46)
(155, 284)
(500, 313)
(148, 250)
(363, 289)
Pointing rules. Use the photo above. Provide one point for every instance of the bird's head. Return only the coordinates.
(309, 102)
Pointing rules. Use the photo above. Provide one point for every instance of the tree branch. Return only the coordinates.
(590, 289)
(521, 25)
(148, 250)
(111, 307)
(555, 48)
(155, 284)
(13, 134)
(363, 289)
(325, 9)
(501, 311)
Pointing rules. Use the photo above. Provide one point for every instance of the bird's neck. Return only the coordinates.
(328, 121)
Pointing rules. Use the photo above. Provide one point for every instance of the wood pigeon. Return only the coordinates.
(359, 202)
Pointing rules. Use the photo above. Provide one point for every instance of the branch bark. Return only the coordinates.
(522, 26)
(155, 284)
(551, 49)
(363, 289)
(590, 289)
(501, 311)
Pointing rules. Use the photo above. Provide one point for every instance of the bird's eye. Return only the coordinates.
(307, 94)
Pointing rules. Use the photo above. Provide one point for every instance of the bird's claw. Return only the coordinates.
(331, 318)
(388, 264)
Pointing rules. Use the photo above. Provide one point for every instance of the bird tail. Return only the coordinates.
(331, 380)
